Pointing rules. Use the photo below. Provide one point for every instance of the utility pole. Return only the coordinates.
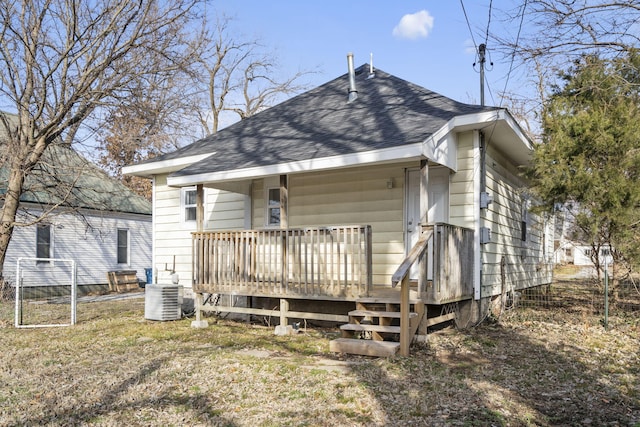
(481, 54)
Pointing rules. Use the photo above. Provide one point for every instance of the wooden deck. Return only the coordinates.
(329, 264)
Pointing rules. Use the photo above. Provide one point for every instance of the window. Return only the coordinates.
(273, 206)
(525, 220)
(189, 204)
(43, 241)
(123, 246)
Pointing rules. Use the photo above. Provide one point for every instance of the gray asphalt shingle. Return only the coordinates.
(389, 112)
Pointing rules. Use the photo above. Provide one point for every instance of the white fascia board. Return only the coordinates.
(489, 117)
(387, 155)
(441, 147)
(515, 127)
(163, 166)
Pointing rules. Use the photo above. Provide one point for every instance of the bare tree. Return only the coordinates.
(152, 119)
(61, 61)
(564, 29)
(542, 38)
(236, 76)
(261, 89)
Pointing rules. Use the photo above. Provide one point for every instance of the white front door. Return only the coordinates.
(438, 194)
(412, 211)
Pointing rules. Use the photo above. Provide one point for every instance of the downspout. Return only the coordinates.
(483, 189)
(153, 230)
(477, 183)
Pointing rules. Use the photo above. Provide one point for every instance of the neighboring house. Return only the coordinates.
(90, 218)
(580, 254)
(313, 205)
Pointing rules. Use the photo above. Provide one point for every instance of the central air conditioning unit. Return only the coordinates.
(163, 302)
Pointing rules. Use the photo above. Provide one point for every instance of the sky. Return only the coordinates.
(428, 42)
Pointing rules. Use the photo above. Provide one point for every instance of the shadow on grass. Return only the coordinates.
(497, 376)
(112, 402)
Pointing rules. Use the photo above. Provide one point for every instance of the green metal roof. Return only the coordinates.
(65, 177)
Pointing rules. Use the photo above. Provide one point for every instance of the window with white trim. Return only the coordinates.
(273, 207)
(123, 246)
(188, 204)
(43, 241)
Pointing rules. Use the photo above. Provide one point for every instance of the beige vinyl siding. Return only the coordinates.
(223, 210)
(354, 196)
(172, 237)
(525, 261)
(461, 197)
(258, 206)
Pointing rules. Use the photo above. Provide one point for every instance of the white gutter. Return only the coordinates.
(163, 166)
(404, 152)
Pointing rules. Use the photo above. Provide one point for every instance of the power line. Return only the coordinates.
(475, 45)
(486, 37)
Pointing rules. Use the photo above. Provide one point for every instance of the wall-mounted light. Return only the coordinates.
(390, 183)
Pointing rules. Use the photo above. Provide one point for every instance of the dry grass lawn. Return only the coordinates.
(532, 368)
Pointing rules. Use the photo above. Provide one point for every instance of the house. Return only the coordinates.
(579, 254)
(323, 203)
(89, 217)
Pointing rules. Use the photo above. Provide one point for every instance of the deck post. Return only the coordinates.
(284, 202)
(198, 303)
(199, 207)
(424, 191)
(405, 326)
(284, 308)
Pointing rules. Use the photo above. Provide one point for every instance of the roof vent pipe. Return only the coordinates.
(353, 93)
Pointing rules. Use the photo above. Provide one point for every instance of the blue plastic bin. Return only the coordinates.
(148, 272)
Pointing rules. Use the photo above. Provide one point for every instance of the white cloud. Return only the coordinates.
(414, 26)
(469, 47)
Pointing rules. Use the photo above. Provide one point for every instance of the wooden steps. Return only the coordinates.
(374, 327)
(364, 347)
(370, 328)
(376, 313)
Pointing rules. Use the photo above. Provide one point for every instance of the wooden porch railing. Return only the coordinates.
(332, 262)
(450, 264)
(444, 253)
(403, 276)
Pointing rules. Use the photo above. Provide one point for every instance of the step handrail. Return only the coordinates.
(402, 276)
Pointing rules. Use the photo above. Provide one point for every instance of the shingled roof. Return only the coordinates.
(388, 112)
